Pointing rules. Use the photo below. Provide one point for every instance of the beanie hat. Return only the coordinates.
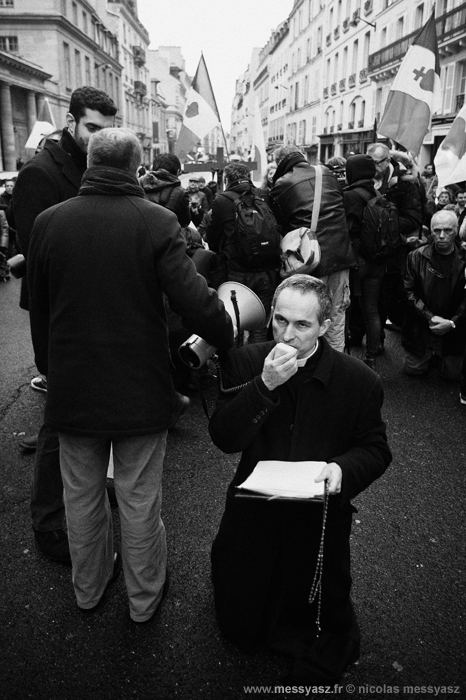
(359, 167)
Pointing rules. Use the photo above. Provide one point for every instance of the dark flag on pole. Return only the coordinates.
(200, 114)
(415, 93)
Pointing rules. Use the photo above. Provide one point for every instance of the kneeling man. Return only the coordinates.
(297, 399)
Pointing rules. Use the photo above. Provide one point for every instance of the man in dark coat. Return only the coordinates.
(220, 237)
(435, 321)
(293, 196)
(162, 186)
(53, 176)
(296, 399)
(99, 266)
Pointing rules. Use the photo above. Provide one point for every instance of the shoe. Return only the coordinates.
(110, 486)
(39, 384)
(165, 589)
(29, 444)
(462, 398)
(117, 562)
(54, 545)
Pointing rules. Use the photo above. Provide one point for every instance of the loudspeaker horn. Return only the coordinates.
(247, 313)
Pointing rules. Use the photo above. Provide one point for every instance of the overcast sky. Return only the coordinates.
(226, 31)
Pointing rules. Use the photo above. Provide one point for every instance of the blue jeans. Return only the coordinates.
(137, 466)
(47, 508)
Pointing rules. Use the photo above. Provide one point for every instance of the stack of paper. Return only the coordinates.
(279, 479)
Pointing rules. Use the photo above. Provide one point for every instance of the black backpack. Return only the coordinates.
(256, 238)
(379, 239)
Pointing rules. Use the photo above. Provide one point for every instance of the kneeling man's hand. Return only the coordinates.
(333, 473)
(279, 365)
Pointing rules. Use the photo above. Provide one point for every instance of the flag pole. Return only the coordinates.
(227, 154)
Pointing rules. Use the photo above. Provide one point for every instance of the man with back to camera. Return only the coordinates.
(99, 267)
(296, 399)
(435, 321)
(53, 176)
(162, 186)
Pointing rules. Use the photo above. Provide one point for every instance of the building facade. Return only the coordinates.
(324, 76)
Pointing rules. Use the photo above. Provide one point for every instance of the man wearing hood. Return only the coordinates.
(163, 187)
(99, 267)
(220, 234)
(360, 171)
(396, 180)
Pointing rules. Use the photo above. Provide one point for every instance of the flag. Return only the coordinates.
(415, 93)
(45, 125)
(200, 113)
(450, 159)
(258, 152)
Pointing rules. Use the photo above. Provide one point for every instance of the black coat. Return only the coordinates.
(332, 414)
(420, 288)
(52, 176)
(99, 266)
(293, 196)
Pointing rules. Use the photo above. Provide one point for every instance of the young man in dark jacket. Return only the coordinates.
(296, 399)
(53, 176)
(220, 231)
(367, 277)
(99, 267)
(293, 197)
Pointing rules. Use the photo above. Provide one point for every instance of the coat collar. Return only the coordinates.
(70, 170)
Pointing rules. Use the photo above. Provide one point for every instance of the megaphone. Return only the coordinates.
(246, 311)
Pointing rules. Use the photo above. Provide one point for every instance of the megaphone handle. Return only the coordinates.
(234, 301)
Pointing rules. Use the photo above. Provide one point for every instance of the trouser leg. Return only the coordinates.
(47, 508)
(84, 463)
(138, 466)
(338, 282)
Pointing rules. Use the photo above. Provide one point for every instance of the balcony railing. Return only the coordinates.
(140, 87)
(342, 84)
(447, 26)
(350, 125)
(336, 32)
(352, 80)
(363, 75)
(326, 93)
(139, 55)
(346, 24)
(333, 89)
(368, 7)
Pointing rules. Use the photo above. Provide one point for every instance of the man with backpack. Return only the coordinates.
(373, 228)
(244, 233)
(163, 187)
(293, 194)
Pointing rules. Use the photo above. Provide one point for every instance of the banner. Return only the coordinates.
(45, 125)
(450, 159)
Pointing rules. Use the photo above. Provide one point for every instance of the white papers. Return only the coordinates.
(279, 479)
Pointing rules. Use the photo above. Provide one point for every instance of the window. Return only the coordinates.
(7, 3)
(77, 68)
(367, 43)
(447, 76)
(400, 28)
(67, 64)
(335, 68)
(64, 10)
(75, 14)
(383, 38)
(87, 70)
(9, 43)
(306, 90)
(85, 27)
(354, 65)
(362, 113)
(419, 16)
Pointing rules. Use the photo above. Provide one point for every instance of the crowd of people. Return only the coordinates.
(123, 264)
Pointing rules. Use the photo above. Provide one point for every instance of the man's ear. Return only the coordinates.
(324, 327)
(70, 123)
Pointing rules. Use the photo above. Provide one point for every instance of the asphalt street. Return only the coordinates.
(408, 548)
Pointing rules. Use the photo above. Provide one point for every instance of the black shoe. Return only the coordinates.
(371, 363)
(110, 486)
(29, 444)
(117, 562)
(165, 589)
(54, 545)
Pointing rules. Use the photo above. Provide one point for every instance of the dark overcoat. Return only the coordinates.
(99, 266)
(264, 555)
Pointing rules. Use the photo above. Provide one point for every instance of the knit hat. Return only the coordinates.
(359, 167)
